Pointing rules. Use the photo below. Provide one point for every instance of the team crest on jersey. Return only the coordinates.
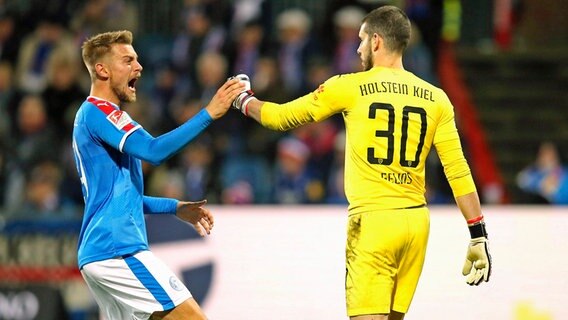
(175, 284)
(119, 119)
(318, 91)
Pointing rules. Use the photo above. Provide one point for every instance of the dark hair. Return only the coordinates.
(392, 24)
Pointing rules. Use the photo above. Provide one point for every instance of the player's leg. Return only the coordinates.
(392, 316)
(136, 286)
(412, 261)
(371, 317)
(396, 315)
(374, 241)
(189, 309)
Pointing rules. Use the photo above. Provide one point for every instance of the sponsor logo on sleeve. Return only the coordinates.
(119, 119)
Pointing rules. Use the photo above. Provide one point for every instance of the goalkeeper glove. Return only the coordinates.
(243, 99)
(477, 267)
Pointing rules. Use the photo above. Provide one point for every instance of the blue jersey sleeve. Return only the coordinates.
(154, 205)
(156, 150)
(111, 126)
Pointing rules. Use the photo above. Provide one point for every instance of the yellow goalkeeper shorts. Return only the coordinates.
(384, 255)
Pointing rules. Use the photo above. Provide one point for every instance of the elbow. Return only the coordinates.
(155, 163)
(155, 160)
(156, 154)
(277, 127)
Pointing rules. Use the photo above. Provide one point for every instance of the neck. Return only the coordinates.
(393, 61)
(104, 92)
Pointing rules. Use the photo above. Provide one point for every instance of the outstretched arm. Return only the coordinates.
(144, 146)
(192, 212)
(285, 116)
(156, 150)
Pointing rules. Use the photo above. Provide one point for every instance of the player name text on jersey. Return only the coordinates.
(394, 87)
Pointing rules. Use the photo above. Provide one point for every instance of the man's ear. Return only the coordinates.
(377, 42)
(102, 71)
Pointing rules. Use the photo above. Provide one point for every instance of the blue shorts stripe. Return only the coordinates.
(148, 281)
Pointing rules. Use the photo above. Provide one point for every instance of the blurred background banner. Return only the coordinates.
(288, 263)
(32, 302)
(39, 278)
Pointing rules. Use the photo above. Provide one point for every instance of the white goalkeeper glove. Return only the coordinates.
(477, 267)
(243, 99)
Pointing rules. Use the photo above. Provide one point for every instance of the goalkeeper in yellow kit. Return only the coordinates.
(392, 119)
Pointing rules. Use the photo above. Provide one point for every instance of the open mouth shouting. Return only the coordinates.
(132, 84)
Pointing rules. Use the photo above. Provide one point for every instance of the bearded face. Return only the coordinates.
(364, 49)
(124, 72)
(366, 59)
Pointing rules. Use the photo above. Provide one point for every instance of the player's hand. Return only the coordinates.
(477, 266)
(243, 99)
(199, 217)
(225, 95)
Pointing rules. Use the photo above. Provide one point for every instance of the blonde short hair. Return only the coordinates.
(96, 47)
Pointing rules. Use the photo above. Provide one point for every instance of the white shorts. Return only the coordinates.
(134, 286)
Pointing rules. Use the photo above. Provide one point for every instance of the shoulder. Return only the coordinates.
(101, 112)
(99, 105)
(342, 78)
(340, 82)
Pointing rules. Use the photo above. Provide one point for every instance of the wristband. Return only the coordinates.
(478, 230)
(245, 104)
(475, 220)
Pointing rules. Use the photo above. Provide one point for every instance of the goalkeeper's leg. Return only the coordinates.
(392, 316)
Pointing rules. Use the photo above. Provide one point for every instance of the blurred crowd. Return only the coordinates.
(236, 161)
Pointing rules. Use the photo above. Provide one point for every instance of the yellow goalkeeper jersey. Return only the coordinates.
(392, 119)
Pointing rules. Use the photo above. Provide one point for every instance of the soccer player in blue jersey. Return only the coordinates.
(126, 279)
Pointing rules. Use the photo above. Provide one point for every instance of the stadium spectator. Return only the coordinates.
(96, 16)
(319, 137)
(228, 132)
(199, 35)
(32, 142)
(9, 37)
(199, 177)
(167, 182)
(246, 49)
(165, 94)
(4, 173)
(294, 48)
(547, 176)
(346, 21)
(336, 179)
(245, 179)
(269, 81)
(7, 94)
(245, 11)
(34, 138)
(418, 58)
(293, 183)
(36, 49)
(42, 192)
(63, 92)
